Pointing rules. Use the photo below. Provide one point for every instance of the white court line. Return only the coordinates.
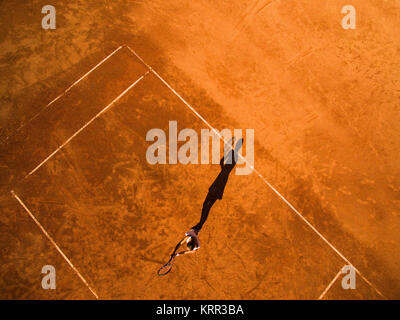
(54, 244)
(330, 284)
(256, 171)
(87, 123)
(65, 91)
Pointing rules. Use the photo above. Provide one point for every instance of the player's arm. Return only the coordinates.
(186, 252)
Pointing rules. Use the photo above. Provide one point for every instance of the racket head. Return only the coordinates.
(165, 269)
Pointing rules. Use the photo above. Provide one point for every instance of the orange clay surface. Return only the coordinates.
(324, 104)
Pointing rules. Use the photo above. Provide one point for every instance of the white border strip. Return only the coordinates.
(54, 244)
(68, 89)
(87, 123)
(256, 171)
(330, 284)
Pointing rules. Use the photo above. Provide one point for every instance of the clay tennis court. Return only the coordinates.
(78, 193)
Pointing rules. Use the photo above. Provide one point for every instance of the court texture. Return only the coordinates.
(77, 193)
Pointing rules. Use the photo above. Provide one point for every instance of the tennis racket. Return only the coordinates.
(166, 268)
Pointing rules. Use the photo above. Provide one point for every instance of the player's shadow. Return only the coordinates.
(217, 188)
(227, 164)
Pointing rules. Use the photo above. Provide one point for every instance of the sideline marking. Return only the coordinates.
(54, 243)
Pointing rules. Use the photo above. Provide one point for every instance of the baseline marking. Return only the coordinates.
(65, 91)
(87, 123)
(257, 172)
(54, 244)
